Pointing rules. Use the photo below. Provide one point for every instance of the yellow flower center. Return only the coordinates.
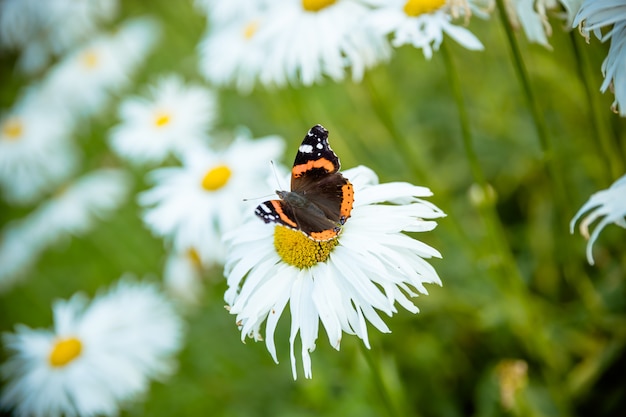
(161, 119)
(90, 59)
(296, 249)
(216, 178)
(415, 8)
(65, 351)
(193, 255)
(12, 128)
(250, 29)
(316, 5)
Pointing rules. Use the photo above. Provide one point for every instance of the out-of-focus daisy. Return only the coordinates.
(183, 276)
(221, 12)
(84, 80)
(36, 152)
(98, 355)
(41, 29)
(174, 117)
(233, 54)
(73, 210)
(20, 247)
(595, 15)
(610, 203)
(423, 24)
(532, 16)
(193, 205)
(310, 39)
(370, 266)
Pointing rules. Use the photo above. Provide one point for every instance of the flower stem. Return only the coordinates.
(533, 104)
(611, 152)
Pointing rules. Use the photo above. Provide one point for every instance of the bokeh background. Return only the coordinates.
(522, 325)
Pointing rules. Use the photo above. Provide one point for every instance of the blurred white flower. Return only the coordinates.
(75, 207)
(295, 42)
(85, 79)
(232, 54)
(221, 12)
(532, 16)
(340, 282)
(97, 356)
(36, 151)
(595, 15)
(174, 117)
(422, 24)
(193, 205)
(610, 203)
(42, 29)
(183, 276)
(20, 248)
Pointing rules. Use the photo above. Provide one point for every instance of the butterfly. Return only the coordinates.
(320, 200)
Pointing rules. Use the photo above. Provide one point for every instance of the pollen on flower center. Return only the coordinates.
(316, 5)
(65, 351)
(296, 249)
(250, 29)
(415, 8)
(12, 129)
(162, 119)
(90, 59)
(216, 178)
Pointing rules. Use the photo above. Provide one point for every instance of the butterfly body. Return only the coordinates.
(320, 200)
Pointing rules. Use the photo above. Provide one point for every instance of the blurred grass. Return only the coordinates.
(564, 318)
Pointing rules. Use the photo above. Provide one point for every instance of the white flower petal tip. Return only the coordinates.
(98, 357)
(610, 204)
(342, 283)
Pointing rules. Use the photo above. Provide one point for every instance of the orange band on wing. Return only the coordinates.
(324, 234)
(279, 210)
(348, 200)
(298, 170)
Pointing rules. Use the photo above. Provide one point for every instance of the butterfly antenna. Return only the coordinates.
(280, 187)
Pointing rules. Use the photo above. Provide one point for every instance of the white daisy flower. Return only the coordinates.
(97, 357)
(20, 248)
(85, 79)
(340, 282)
(183, 276)
(532, 17)
(595, 15)
(422, 23)
(42, 29)
(174, 117)
(223, 12)
(193, 205)
(610, 203)
(36, 153)
(232, 54)
(307, 40)
(75, 208)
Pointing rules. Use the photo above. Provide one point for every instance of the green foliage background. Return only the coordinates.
(517, 287)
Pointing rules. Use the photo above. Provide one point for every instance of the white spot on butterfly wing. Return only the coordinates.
(319, 146)
(305, 148)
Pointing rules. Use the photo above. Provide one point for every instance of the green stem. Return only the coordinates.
(611, 152)
(535, 110)
(378, 381)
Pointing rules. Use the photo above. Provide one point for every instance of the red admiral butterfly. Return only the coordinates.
(320, 200)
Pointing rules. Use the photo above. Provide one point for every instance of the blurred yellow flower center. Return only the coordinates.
(90, 59)
(415, 8)
(250, 29)
(216, 178)
(12, 128)
(194, 257)
(316, 5)
(296, 249)
(162, 119)
(65, 351)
